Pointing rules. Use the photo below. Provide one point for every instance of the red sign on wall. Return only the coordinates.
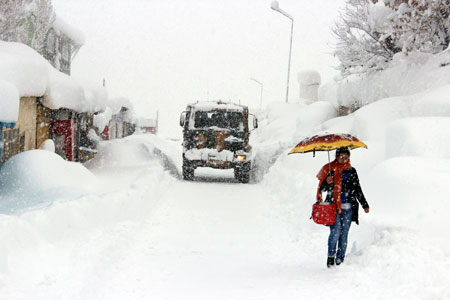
(64, 138)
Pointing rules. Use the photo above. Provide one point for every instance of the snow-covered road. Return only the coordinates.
(214, 239)
(207, 241)
(143, 233)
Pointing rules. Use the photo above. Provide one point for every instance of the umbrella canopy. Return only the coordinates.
(327, 142)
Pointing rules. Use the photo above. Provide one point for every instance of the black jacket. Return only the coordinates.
(353, 188)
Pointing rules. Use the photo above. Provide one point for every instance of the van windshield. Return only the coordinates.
(221, 119)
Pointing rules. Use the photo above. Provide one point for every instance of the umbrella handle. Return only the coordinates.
(329, 164)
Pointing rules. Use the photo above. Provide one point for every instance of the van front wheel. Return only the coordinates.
(242, 173)
(188, 171)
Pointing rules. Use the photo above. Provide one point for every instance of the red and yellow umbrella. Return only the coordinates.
(327, 142)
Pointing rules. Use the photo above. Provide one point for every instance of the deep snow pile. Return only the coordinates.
(40, 178)
(34, 177)
(281, 125)
(404, 174)
(404, 169)
(130, 154)
(406, 75)
(40, 240)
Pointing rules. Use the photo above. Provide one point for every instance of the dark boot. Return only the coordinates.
(330, 261)
(339, 261)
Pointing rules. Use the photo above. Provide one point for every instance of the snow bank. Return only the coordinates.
(422, 137)
(48, 145)
(404, 174)
(281, 121)
(133, 152)
(411, 192)
(283, 125)
(72, 219)
(29, 178)
(406, 75)
(120, 153)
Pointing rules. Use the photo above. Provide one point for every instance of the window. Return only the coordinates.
(220, 119)
(66, 51)
(50, 44)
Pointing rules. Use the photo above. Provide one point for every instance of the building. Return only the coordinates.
(148, 125)
(61, 45)
(50, 105)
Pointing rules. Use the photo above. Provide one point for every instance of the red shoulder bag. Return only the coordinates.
(324, 213)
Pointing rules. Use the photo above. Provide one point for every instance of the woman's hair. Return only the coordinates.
(342, 150)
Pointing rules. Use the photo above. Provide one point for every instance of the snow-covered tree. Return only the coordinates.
(26, 21)
(370, 32)
(361, 46)
(422, 25)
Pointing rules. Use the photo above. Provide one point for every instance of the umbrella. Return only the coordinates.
(327, 142)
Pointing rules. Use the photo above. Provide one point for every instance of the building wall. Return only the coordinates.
(9, 141)
(27, 123)
(43, 124)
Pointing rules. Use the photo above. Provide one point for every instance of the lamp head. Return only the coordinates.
(274, 5)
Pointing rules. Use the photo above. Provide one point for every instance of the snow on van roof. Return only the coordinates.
(211, 105)
(33, 76)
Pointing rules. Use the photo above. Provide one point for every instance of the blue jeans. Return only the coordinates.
(338, 234)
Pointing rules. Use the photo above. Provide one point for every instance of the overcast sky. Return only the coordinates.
(164, 54)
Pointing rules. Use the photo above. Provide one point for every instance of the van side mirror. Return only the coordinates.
(255, 122)
(182, 118)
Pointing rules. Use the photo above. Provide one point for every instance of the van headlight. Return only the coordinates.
(240, 157)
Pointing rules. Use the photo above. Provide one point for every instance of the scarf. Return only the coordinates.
(337, 169)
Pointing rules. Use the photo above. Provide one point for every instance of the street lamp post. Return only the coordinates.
(260, 97)
(274, 5)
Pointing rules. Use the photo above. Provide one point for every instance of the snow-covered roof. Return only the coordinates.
(74, 34)
(212, 105)
(24, 68)
(9, 102)
(25, 73)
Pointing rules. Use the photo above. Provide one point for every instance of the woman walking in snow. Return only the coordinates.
(341, 182)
